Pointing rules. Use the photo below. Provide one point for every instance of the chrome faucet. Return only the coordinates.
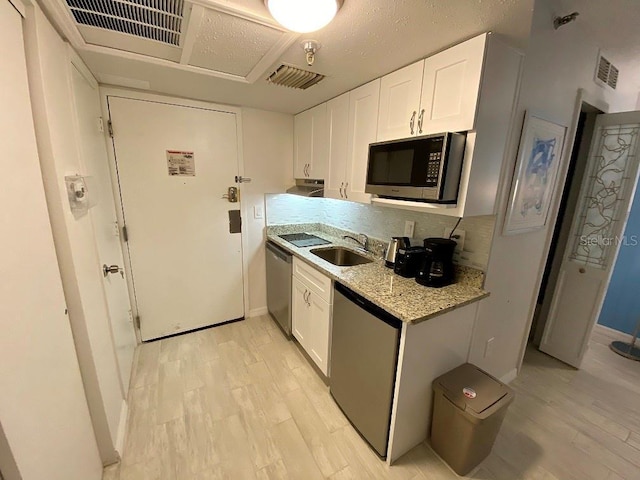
(364, 243)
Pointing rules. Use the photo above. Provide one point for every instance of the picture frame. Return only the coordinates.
(536, 174)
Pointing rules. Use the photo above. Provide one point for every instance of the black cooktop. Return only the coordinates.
(303, 239)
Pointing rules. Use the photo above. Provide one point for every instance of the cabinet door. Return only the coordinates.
(450, 88)
(399, 102)
(302, 143)
(319, 143)
(363, 127)
(300, 313)
(338, 131)
(318, 333)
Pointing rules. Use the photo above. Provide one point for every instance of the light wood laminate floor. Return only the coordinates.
(240, 402)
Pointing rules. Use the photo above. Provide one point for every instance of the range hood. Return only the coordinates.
(308, 188)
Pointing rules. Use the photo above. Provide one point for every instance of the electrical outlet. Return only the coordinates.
(488, 348)
(409, 228)
(460, 234)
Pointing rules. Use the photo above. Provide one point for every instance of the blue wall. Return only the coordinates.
(621, 309)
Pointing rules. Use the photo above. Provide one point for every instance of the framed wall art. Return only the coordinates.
(535, 176)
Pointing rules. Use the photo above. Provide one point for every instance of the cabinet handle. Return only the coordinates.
(345, 190)
(412, 122)
(420, 120)
(341, 187)
(305, 170)
(308, 167)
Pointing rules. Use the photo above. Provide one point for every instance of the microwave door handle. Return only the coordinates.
(412, 122)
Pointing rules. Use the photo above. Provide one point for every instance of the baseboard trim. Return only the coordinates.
(612, 332)
(257, 312)
(122, 428)
(509, 376)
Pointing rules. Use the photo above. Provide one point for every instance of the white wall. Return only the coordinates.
(557, 64)
(43, 410)
(267, 139)
(49, 83)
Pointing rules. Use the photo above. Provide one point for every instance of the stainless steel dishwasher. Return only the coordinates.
(364, 356)
(279, 286)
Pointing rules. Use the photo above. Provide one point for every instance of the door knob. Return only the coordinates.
(107, 269)
(582, 270)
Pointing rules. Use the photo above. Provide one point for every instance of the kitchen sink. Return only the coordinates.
(340, 256)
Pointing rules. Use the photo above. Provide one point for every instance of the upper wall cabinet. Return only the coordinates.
(310, 143)
(338, 131)
(399, 102)
(351, 124)
(450, 88)
(437, 94)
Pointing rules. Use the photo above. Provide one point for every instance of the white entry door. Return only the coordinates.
(174, 165)
(605, 199)
(103, 216)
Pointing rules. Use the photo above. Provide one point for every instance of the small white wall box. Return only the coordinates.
(78, 191)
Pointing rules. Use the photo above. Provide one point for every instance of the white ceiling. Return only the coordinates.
(367, 39)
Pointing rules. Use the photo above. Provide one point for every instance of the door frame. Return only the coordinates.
(582, 96)
(106, 92)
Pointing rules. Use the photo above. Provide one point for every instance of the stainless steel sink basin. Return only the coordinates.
(340, 256)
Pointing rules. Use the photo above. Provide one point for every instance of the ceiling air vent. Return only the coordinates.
(606, 73)
(158, 20)
(294, 77)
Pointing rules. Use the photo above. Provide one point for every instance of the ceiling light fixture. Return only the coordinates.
(303, 16)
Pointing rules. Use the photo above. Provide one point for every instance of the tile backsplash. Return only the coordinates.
(382, 222)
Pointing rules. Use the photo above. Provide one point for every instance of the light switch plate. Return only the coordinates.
(460, 241)
(258, 211)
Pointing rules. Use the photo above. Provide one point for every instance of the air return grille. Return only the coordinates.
(606, 73)
(159, 20)
(293, 77)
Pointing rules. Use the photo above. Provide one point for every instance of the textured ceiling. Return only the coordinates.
(367, 39)
(231, 44)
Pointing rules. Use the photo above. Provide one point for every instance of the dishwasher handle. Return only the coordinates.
(370, 307)
(279, 252)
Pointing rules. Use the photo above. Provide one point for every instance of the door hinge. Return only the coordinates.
(110, 128)
(137, 321)
(125, 234)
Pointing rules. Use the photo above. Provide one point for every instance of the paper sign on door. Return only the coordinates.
(181, 164)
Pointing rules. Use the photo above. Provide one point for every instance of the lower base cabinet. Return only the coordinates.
(311, 321)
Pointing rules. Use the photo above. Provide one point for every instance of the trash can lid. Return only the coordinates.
(472, 389)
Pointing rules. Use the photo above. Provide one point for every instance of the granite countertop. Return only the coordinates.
(402, 297)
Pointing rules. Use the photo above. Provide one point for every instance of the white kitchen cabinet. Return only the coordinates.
(338, 129)
(352, 126)
(400, 93)
(450, 88)
(363, 126)
(471, 87)
(310, 143)
(311, 312)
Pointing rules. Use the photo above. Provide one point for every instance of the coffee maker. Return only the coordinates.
(437, 267)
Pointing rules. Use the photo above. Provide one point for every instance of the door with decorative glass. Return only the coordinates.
(596, 235)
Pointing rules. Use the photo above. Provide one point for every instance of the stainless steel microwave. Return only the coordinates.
(425, 168)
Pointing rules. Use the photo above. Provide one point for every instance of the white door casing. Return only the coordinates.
(90, 133)
(185, 264)
(605, 199)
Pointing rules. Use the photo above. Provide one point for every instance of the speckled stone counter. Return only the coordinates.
(402, 297)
